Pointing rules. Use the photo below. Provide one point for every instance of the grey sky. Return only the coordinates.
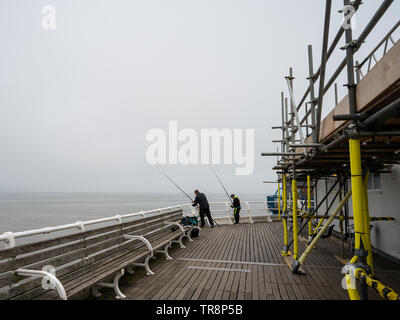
(76, 102)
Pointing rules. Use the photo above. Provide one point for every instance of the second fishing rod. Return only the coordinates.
(235, 204)
(229, 197)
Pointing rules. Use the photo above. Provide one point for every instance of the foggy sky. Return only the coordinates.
(77, 102)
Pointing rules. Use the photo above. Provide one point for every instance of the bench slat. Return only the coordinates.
(103, 263)
(44, 244)
(89, 249)
(104, 248)
(72, 268)
(27, 260)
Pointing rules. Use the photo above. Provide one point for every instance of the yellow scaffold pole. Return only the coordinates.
(295, 223)
(285, 249)
(366, 225)
(351, 288)
(361, 243)
(279, 201)
(284, 193)
(361, 240)
(309, 205)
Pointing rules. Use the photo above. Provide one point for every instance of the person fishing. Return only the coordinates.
(201, 200)
(235, 202)
(236, 208)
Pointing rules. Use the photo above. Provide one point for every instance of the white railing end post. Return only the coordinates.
(10, 241)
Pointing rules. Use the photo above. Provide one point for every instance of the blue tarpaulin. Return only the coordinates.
(271, 204)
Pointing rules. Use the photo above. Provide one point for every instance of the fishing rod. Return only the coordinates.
(230, 200)
(184, 193)
(177, 186)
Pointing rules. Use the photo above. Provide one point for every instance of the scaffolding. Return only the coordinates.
(359, 136)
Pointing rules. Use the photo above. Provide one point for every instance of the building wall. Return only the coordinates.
(385, 235)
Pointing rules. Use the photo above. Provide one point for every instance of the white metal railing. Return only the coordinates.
(10, 237)
(220, 210)
(223, 210)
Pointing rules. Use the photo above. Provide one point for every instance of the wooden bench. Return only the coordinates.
(74, 262)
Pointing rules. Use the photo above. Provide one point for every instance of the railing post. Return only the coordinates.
(228, 209)
(268, 211)
(193, 210)
(10, 242)
(249, 212)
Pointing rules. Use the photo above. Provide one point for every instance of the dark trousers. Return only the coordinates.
(236, 214)
(203, 212)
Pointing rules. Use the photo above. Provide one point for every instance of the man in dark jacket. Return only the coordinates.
(236, 208)
(201, 200)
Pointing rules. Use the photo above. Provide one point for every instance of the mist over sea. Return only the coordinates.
(25, 211)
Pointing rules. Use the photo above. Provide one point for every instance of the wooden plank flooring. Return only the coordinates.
(244, 262)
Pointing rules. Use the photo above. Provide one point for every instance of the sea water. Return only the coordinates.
(25, 211)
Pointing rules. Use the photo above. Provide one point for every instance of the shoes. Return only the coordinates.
(212, 226)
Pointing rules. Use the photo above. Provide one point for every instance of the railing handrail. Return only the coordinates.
(81, 224)
(385, 39)
(11, 236)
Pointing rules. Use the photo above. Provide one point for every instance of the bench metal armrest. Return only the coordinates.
(46, 275)
(141, 238)
(170, 223)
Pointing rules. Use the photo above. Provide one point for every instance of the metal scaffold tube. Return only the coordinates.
(298, 263)
(309, 205)
(283, 144)
(332, 47)
(357, 43)
(279, 201)
(328, 208)
(323, 66)
(320, 151)
(312, 94)
(316, 208)
(350, 67)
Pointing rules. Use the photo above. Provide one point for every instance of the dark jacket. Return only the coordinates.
(201, 200)
(236, 202)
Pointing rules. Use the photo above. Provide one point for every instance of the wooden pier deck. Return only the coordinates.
(240, 262)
